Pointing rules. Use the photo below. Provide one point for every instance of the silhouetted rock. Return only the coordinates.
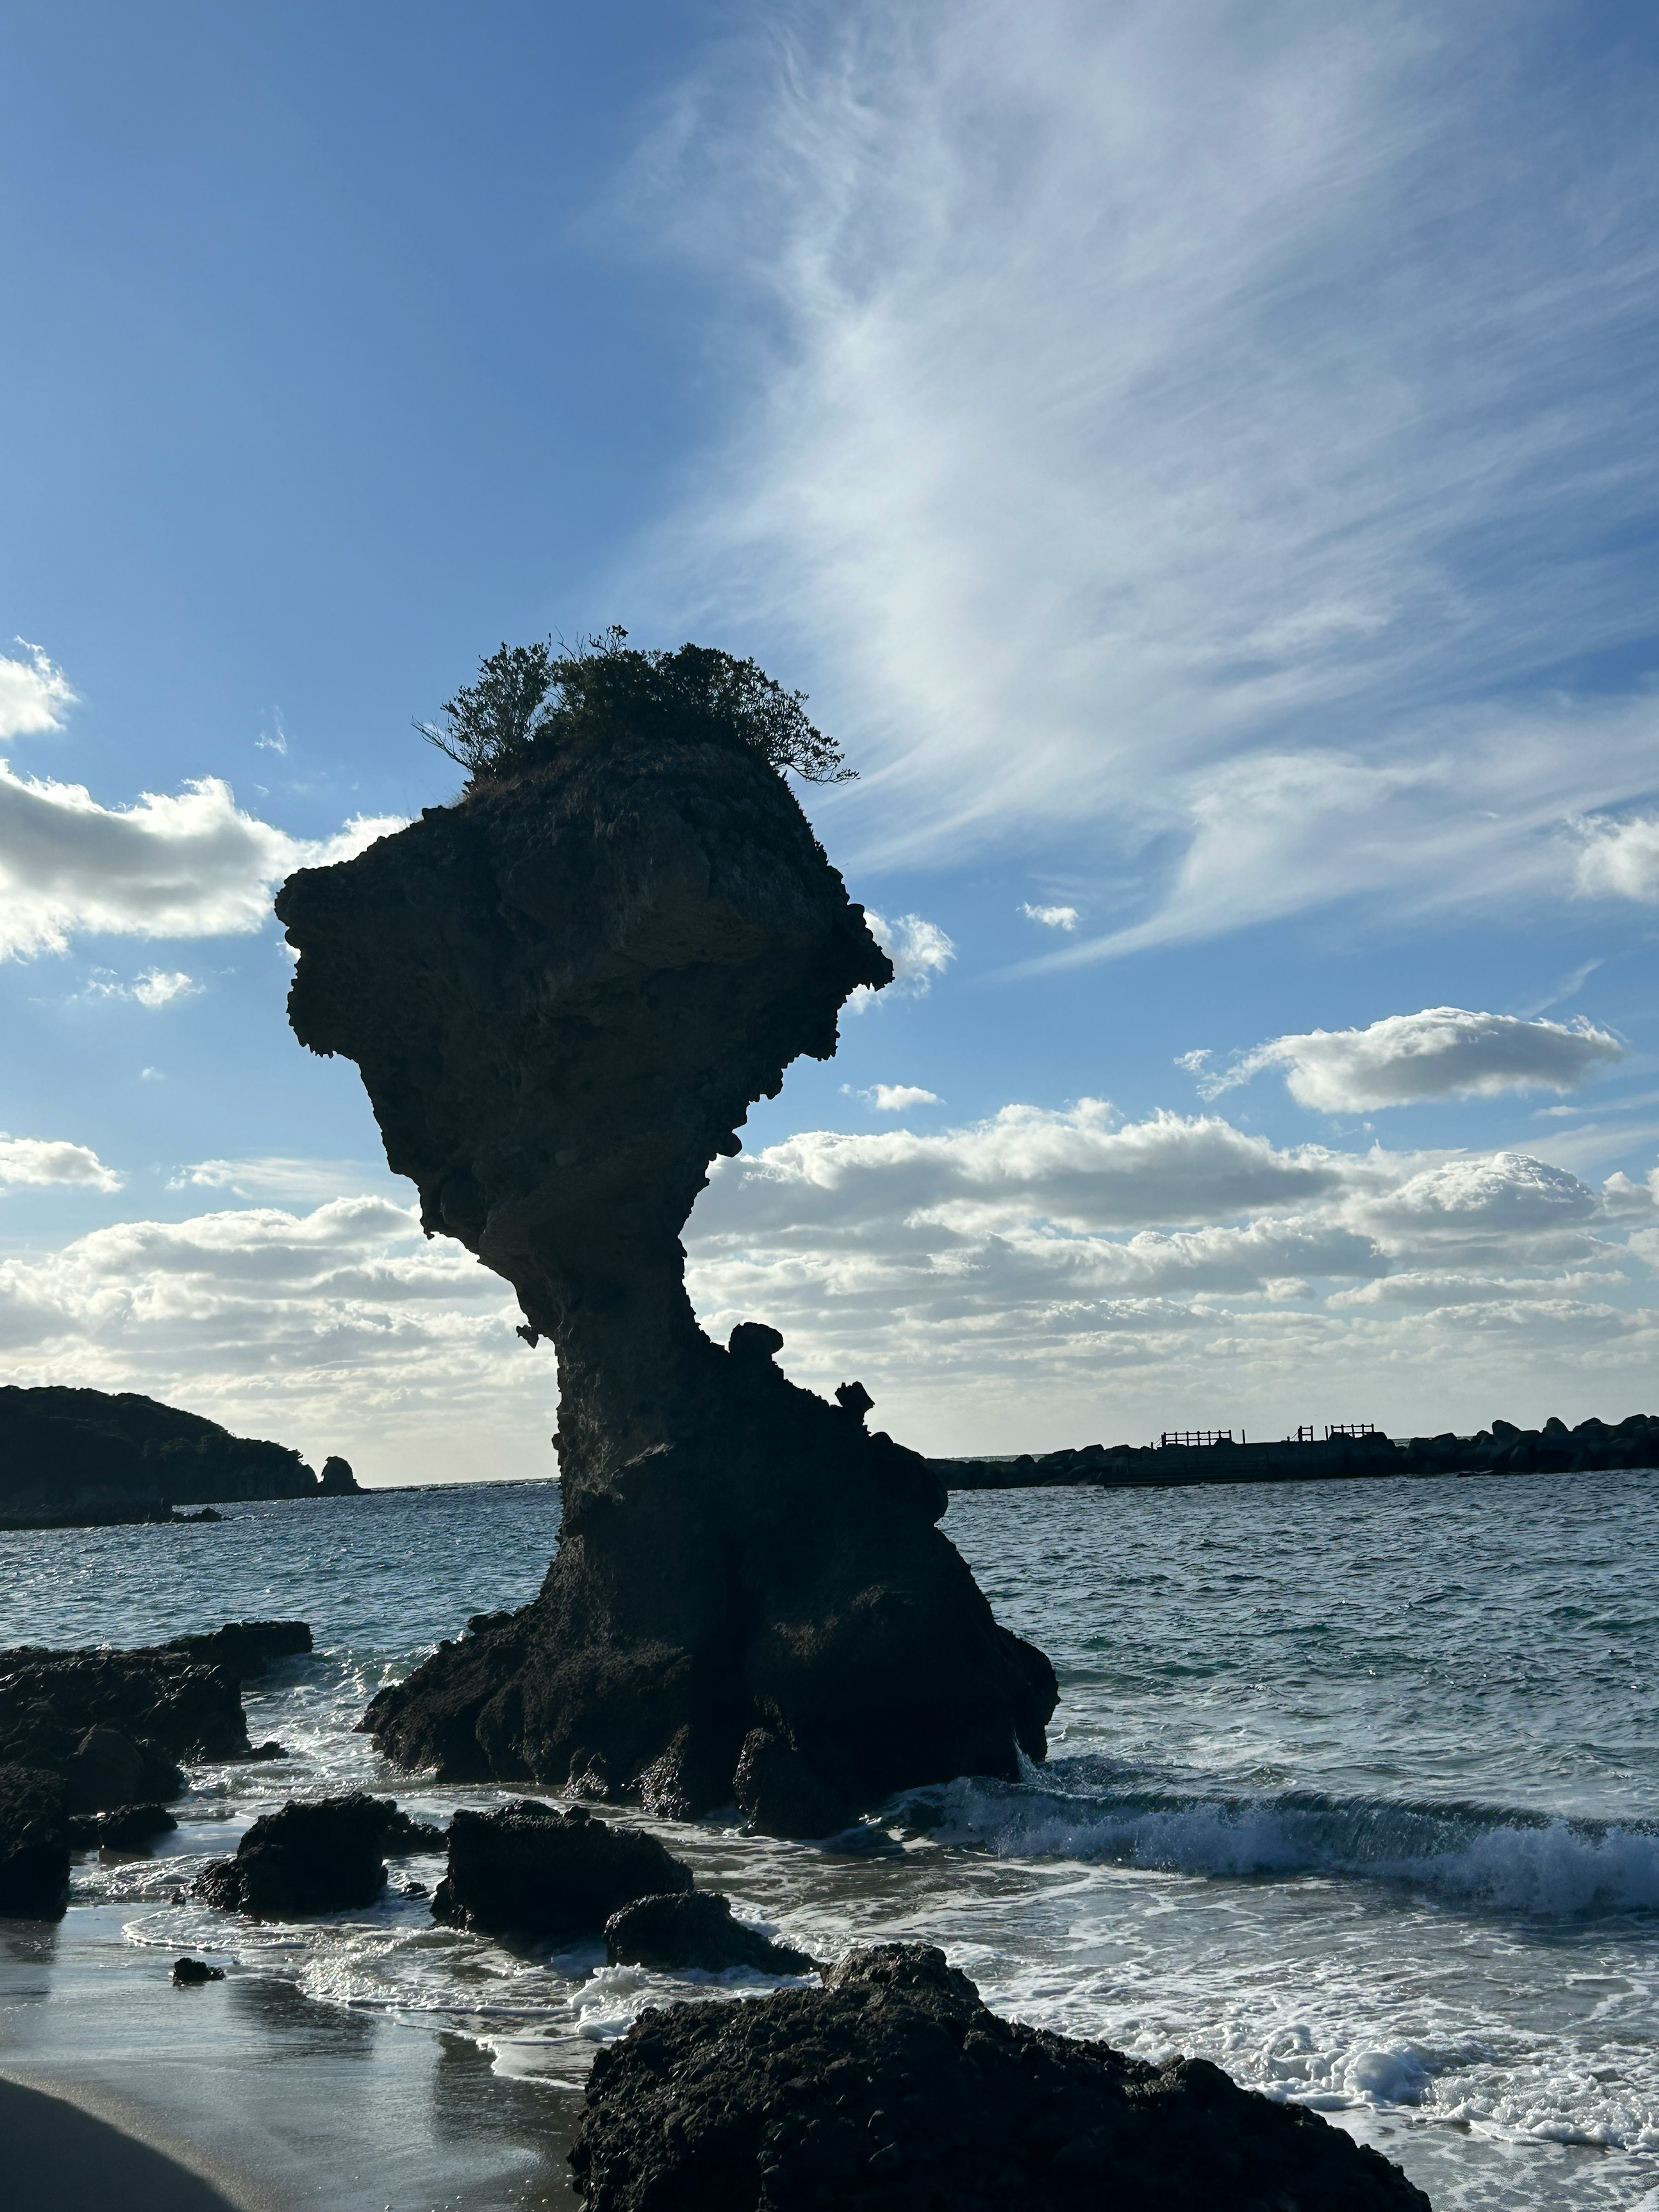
(779, 1791)
(195, 1520)
(894, 2085)
(338, 1480)
(131, 1827)
(245, 1649)
(694, 1928)
(34, 1842)
(191, 1973)
(325, 1857)
(563, 994)
(116, 1724)
(531, 1871)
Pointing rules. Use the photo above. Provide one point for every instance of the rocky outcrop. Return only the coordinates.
(245, 1649)
(563, 994)
(326, 1856)
(116, 1725)
(533, 1873)
(34, 1842)
(74, 1458)
(338, 1480)
(894, 2085)
(694, 1929)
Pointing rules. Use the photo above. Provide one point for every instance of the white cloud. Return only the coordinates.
(1113, 463)
(279, 1176)
(895, 1097)
(1051, 917)
(1012, 1277)
(1444, 1052)
(339, 1329)
(919, 949)
(34, 695)
(152, 987)
(46, 1160)
(187, 864)
(1619, 860)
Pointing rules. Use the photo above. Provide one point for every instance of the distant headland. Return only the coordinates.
(92, 1458)
(1342, 1454)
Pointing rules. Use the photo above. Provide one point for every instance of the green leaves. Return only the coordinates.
(528, 698)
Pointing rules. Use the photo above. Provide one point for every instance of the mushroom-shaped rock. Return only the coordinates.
(563, 993)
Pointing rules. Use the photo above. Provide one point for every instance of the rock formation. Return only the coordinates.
(537, 1874)
(894, 2085)
(694, 1929)
(563, 994)
(325, 1857)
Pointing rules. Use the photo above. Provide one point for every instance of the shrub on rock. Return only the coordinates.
(894, 2085)
(531, 1871)
(694, 1928)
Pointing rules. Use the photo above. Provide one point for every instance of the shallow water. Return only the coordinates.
(1354, 1788)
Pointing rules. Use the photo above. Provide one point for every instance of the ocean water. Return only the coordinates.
(1353, 1788)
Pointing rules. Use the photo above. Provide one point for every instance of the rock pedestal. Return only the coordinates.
(563, 994)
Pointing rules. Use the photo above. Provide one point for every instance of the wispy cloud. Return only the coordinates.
(1444, 1052)
(153, 987)
(1051, 917)
(920, 950)
(1124, 464)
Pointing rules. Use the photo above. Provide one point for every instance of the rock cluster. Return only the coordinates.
(537, 1874)
(894, 2085)
(563, 994)
(91, 1742)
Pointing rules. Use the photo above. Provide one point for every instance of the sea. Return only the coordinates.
(1353, 1788)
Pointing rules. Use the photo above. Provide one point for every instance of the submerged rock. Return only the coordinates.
(191, 1973)
(128, 1829)
(34, 1842)
(533, 1872)
(695, 1927)
(326, 1856)
(563, 994)
(895, 2086)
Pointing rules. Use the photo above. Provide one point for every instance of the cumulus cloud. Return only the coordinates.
(338, 1329)
(1010, 1276)
(1108, 443)
(894, 1097)
(190, 863)
(920, 950)
(1619, 858)
(1444, 1052)
(1051, 917)
(34, 693)
(47, 1160)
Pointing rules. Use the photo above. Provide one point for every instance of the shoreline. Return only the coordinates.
(62, 2152)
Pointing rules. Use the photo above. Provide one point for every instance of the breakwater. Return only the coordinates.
(1503, 1448)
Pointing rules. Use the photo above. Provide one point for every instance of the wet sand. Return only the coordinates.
(60, 2158)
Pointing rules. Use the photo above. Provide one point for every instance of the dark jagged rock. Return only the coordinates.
(115, 1724)
(405, 1836)
(73, 1458)
(779, 1792)
(563, 994)
(326, 1856)
(695, 1927)
(894, 2085)
(245, 1647)
(191, 1973)
(34, 1842)
(131, 1827)
(338, 1480)
(531, 1871)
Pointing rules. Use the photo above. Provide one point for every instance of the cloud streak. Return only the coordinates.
(1122, 470)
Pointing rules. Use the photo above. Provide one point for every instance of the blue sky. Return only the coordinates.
(1200, 462)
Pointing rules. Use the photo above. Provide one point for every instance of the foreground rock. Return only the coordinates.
(895, 2086)
(542, 1875)
(563, 994)
(326, 1856)
(117, 1724)
(694, 1929)
(34, 1842)
(74, 1458)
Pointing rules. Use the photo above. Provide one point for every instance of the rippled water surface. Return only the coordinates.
(1353, 1788)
